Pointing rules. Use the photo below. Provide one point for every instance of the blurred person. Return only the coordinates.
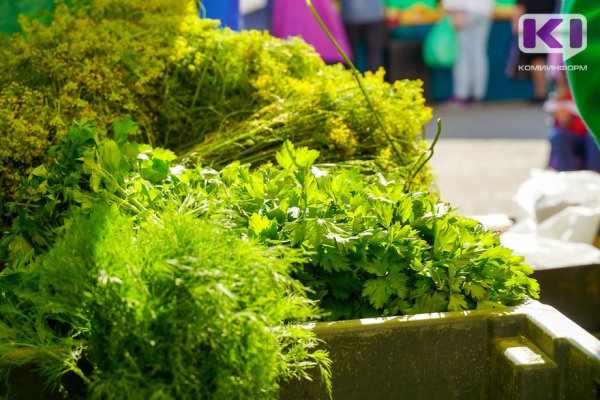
(227, 11)
(294, 18)
(537, 61)
(572, 148)
(472, 20)
(364, 22)
(256, 14)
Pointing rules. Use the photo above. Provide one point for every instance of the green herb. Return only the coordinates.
(170, 309)
(86, 171)
(373, 249)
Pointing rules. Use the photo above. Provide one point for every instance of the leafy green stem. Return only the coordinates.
(356, 76)
(134, 204)
(426, 156)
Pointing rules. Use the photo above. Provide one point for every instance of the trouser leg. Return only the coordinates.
(375, 37)
(563, 153)
(592, 154)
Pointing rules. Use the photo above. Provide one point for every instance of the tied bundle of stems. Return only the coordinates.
(424, 158)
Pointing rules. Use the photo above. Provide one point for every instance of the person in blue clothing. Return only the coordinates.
(227, 11)
(364, 22)
(538, 61)
(572, 148)
(472, 20)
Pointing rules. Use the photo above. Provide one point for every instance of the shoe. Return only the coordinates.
(538, 100)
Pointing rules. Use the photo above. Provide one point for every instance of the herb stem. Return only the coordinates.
(357, 76)
(422, 161)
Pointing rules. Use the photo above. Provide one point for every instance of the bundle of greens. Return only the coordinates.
(92, 62)
(172, 309)
(210, 94)
(76, 287)
(373, 248)
(139, 278)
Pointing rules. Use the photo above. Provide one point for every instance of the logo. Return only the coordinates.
(553, 33)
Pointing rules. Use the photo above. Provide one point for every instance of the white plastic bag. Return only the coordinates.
(576, 224)
(560, 219)
(546, 192)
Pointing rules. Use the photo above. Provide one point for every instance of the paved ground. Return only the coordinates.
(486, 152)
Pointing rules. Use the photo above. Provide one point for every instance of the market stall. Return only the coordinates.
(409, 23)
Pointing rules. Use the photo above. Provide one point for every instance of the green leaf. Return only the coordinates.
(497, 253)
(519, 266)
(376, 266)
(124, 127)
(416, 264)
(40, 171)
(18, 247)
(155, 171)
(445, 239)
(80, 134)
(261, 226)
(398, 282)
(111, 156)
(475, 290)
(255, 186)
(333, 261)
(428, 303)
(384, 212)
(296, 231)
(290, 158)
(163, 155)
(95, 181)
(457, 302)
(340, 239)
(357, 219)
(404, 209)
(316, 231)
(378, 291)
(231, 173)
(437, 273)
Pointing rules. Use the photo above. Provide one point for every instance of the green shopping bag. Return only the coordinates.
(440, 49)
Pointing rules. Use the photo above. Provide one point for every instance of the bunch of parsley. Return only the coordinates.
(373, 248)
